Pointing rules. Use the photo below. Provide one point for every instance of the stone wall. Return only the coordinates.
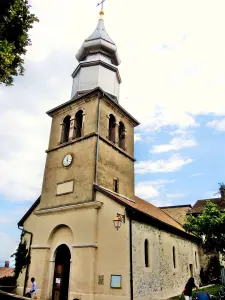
(178, 213)
(161, 280)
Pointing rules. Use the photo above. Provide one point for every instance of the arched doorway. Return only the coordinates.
(62, 273)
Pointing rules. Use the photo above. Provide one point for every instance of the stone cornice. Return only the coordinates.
(117, 148)
(77, 140)
(96, 91)
(85, 245)
(88, 136)
(91, 204)
(40, 246)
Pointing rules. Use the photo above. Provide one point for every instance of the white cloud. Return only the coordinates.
(150, 189)
(175, 196)
(4, 219)
(10, 243)
(22, 155)
(161, 203)
(137, 137)
(197, 174)
(175, 144)
(219, 125)
(146, 191)
(173, 164)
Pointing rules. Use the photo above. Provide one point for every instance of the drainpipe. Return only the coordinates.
(131, 259)
(97, 144)
(27, 267)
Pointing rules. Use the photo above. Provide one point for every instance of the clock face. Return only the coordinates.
(67, 160)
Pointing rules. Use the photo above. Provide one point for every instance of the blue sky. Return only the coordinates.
(173, 82)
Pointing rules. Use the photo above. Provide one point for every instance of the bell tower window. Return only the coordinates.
(116, 185)
(121, 135)
(65, 130)
(112, 127)
(78, 124)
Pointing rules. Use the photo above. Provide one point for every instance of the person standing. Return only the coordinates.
(32, 292)
(187, 292)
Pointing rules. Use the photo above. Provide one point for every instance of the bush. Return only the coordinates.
(7, 284)
(8, 281)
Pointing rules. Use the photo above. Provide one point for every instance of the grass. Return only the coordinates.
(212, 290)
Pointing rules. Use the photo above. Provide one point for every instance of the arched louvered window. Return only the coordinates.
(65, 130)
(78, 124)
(146, 254)
(121, 135)
(112, 126)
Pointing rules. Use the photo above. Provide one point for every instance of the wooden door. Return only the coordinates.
(58, 281)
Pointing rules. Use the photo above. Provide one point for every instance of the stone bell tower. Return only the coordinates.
(92, 136)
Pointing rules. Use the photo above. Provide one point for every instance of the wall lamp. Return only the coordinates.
(118, 220)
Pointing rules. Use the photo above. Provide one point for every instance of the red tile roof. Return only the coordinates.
(144, 207)
(199, 205)
(5, 272)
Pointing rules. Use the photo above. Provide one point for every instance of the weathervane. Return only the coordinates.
(101, 11)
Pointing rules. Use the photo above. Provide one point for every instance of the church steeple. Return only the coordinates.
(98, 60)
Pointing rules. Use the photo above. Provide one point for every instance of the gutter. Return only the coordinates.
(131, 259)
(27, 267)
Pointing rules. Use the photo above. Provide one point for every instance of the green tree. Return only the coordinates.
(22, 258)
(210, 226)
(15, 22)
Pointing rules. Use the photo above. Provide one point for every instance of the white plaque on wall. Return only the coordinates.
(64, 188)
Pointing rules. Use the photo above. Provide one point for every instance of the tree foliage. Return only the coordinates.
(210, 226)
(15, 22)
(22, 257)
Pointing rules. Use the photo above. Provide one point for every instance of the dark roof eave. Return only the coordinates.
(51, 111)
(30, 210)
(137, 214)
(176, 206)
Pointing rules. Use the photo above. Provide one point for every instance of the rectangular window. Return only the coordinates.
(116, 281)
(174, 257)
(116, 185)
(146, 254)
(191, 270)
(196, 262)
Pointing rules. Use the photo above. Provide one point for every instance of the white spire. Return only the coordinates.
(98, 60)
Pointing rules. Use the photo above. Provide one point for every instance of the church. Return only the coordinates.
(88, 235)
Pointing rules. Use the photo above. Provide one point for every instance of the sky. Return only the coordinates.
(173, 82)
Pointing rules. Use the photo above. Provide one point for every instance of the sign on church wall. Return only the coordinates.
(64, 187)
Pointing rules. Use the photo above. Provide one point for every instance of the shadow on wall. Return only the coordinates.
(212, 273)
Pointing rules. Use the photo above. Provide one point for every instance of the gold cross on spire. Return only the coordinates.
(101, 11)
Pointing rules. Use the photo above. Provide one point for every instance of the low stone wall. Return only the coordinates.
(9, 296)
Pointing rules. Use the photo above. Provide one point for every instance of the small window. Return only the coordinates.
(191, 270)
(196, 262)
(112, 127)
(116, 185)
(174, 257)
(146, 254)
(65, 130)
(78, 124)
(121, 135)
